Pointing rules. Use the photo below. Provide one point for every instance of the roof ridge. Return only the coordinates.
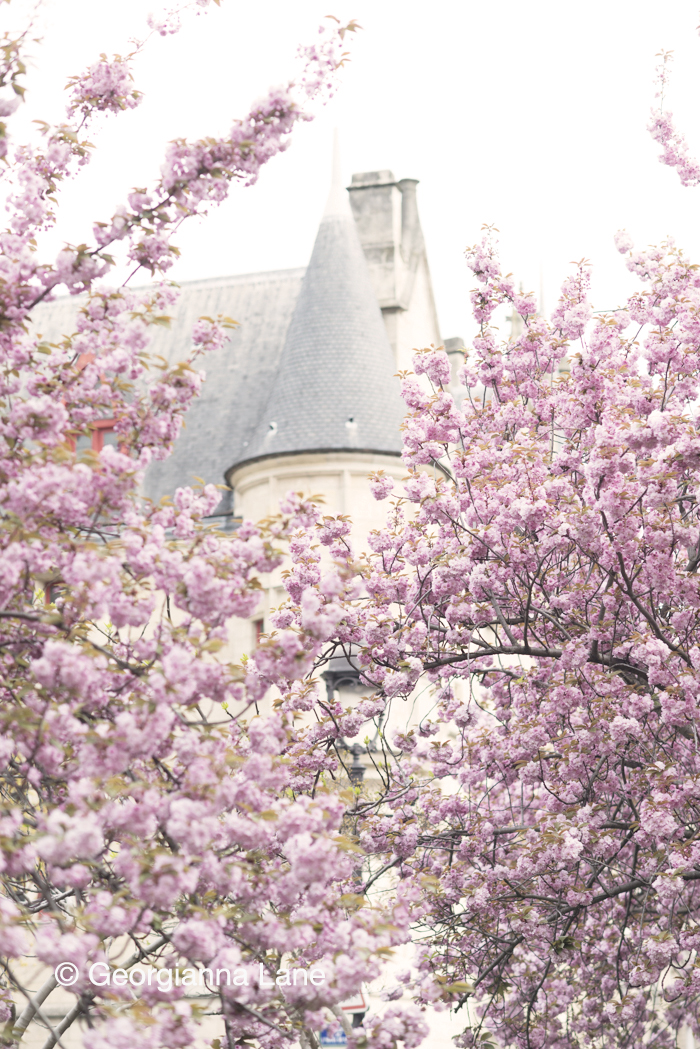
(237, 278)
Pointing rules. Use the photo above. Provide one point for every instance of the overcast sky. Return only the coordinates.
(531, 116)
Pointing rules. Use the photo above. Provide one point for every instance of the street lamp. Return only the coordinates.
(356, 772)
(343, 676)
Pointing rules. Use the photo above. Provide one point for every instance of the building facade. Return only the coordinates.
(311, 368)
(304, 396)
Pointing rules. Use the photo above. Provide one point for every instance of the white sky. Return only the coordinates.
(531, 116)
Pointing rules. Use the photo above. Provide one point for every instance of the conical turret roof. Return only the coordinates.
(335, 388)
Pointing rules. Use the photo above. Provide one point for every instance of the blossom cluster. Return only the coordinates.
(675, 151)
(107, 86)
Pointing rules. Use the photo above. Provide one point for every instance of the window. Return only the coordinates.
(53, 592)
(102, 433)
(258, 630)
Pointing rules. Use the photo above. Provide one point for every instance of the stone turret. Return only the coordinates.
(335, 387)
(333, 412)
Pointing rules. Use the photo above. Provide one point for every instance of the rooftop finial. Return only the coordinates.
(337, 205)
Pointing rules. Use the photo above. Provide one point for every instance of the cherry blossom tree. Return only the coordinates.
(147, 815)
(535, 592)
(538, 575)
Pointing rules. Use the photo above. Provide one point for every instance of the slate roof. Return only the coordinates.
(238, 376)
(335, 388)
(221, 421)
(309, 368)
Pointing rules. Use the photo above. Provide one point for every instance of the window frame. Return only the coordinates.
(97, 431)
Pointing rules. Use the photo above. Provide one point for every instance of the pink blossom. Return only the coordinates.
(623, 241)
(198, 940)
(105, 86)
(435, 364)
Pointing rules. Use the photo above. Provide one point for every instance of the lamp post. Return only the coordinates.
(344, 677)
(356, 772)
